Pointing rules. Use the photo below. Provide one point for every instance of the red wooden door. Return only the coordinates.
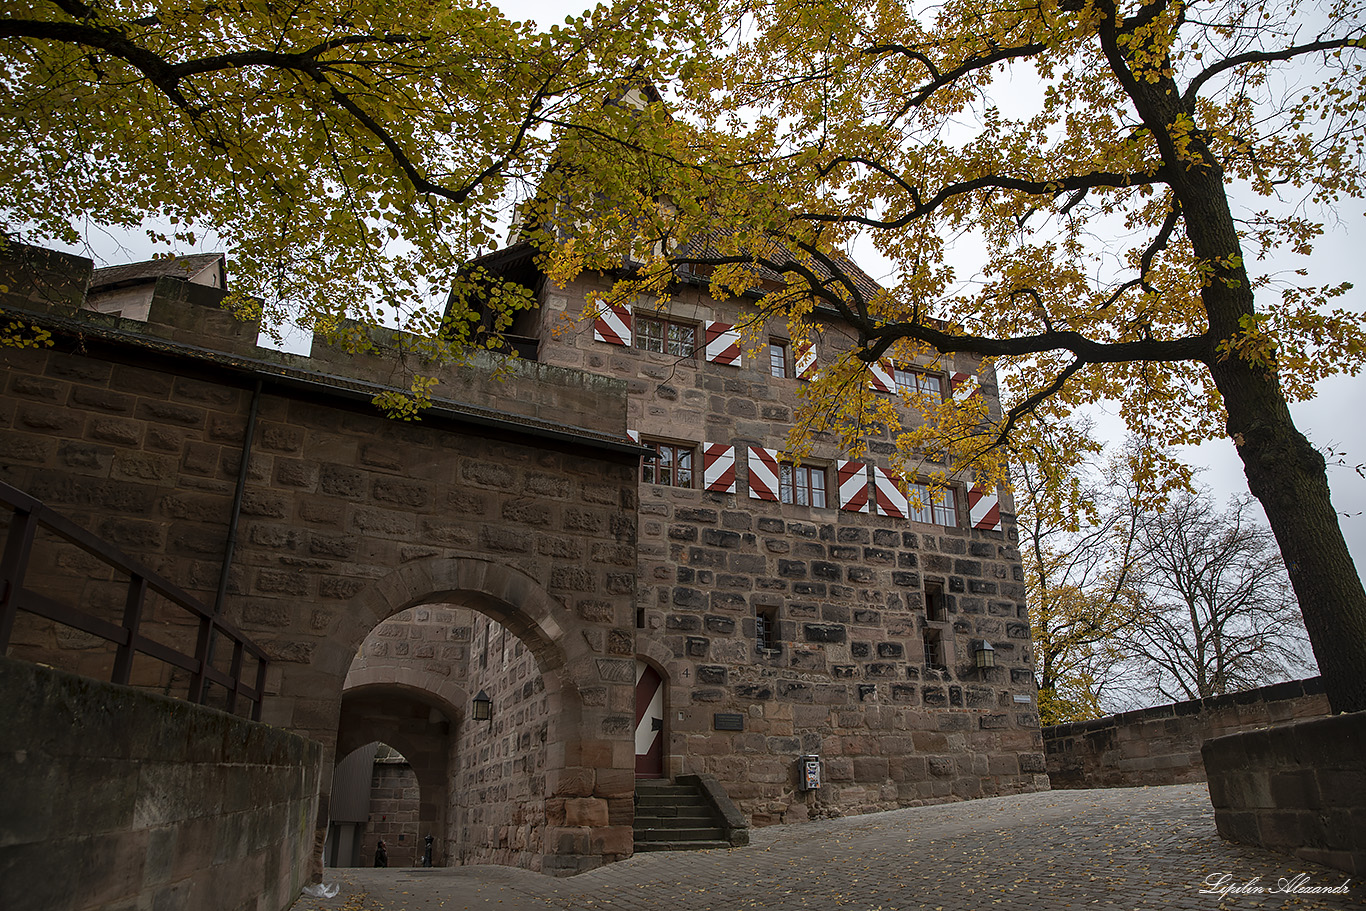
(649, 722)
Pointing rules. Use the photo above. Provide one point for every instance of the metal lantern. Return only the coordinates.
(483, 707)
(986, 655)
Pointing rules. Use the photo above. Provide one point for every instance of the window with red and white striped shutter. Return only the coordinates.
(613, 325)
(853, 486)
(723, 345)
(718, 467)
(964, 386)
(805, 360)
(984, 508)
(890, 498)
(880, 378)
(763, 473)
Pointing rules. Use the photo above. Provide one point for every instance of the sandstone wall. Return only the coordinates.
(117, 798)
(394, 815)
(518, 500)
(1161, 745)
(499, 786)
(850, 679)
(1298, 788)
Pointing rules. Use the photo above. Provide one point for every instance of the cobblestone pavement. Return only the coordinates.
(1124, 848)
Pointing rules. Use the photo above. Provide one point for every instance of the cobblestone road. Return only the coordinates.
(1134, 848)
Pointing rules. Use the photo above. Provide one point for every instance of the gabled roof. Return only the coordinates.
(185, 267)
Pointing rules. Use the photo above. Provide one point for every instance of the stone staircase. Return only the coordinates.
(686, 815)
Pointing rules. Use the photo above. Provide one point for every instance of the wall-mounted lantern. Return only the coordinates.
(986, 655)
(483, 707)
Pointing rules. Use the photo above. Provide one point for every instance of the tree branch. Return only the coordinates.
(1288, 53)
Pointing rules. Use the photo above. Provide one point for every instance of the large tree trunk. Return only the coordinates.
(1283, 471)
(1288, 476)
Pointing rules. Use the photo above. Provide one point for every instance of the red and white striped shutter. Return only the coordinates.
(880, 377)
(613, 325)
(984, 509)
(718, 467)
(763, 473)
(853, 481)
(891, 499)
(723, 345)
(634, 435)
(805, 362)
(964, 385)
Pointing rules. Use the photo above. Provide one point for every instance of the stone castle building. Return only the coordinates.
(603, 544)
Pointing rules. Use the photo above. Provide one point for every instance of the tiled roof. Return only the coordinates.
(134, 273)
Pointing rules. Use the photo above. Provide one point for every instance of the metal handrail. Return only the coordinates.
(29, 516)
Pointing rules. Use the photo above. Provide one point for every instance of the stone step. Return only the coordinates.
(672, 813)
(670, 816)
(680, 833)
(680, 845)
(690, 800)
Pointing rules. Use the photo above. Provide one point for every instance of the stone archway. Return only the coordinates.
(586, 663)
(419, 725)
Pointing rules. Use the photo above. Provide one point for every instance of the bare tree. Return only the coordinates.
(1079, 554)
(1219, 615)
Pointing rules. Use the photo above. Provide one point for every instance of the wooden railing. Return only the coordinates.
(28, 516)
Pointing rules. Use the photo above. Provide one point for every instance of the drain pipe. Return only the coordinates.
(247, 442)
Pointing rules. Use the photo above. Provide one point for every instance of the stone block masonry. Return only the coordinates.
(117, 798)
(1297, 788)
(508, 503)
(786, 626)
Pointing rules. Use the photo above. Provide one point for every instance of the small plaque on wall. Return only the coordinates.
(728, 721)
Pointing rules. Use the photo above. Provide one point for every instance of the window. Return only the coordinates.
(777, 359)
(765, 631)
(938, 505)
(934, 647)
(671, 465)
(664, 336)
(934, 602)
(802, 485)
(909, 379)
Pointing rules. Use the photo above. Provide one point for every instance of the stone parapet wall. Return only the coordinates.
(1161, 745)
(46, 284)
(1297, 788)
(116, 798)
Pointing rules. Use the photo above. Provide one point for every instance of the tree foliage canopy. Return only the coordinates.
(1093, 148)
(817, 127)
(352, 155)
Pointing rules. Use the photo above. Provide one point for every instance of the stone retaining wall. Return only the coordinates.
(1161, 745)
(117, 798)
(1297, 788)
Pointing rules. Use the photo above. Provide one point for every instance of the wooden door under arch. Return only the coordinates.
(649, 722)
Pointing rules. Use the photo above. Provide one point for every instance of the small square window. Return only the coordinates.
(664, 336)
(938, 505)
(801, 485)
(778, 363)
(916, 381)
(671, 465)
